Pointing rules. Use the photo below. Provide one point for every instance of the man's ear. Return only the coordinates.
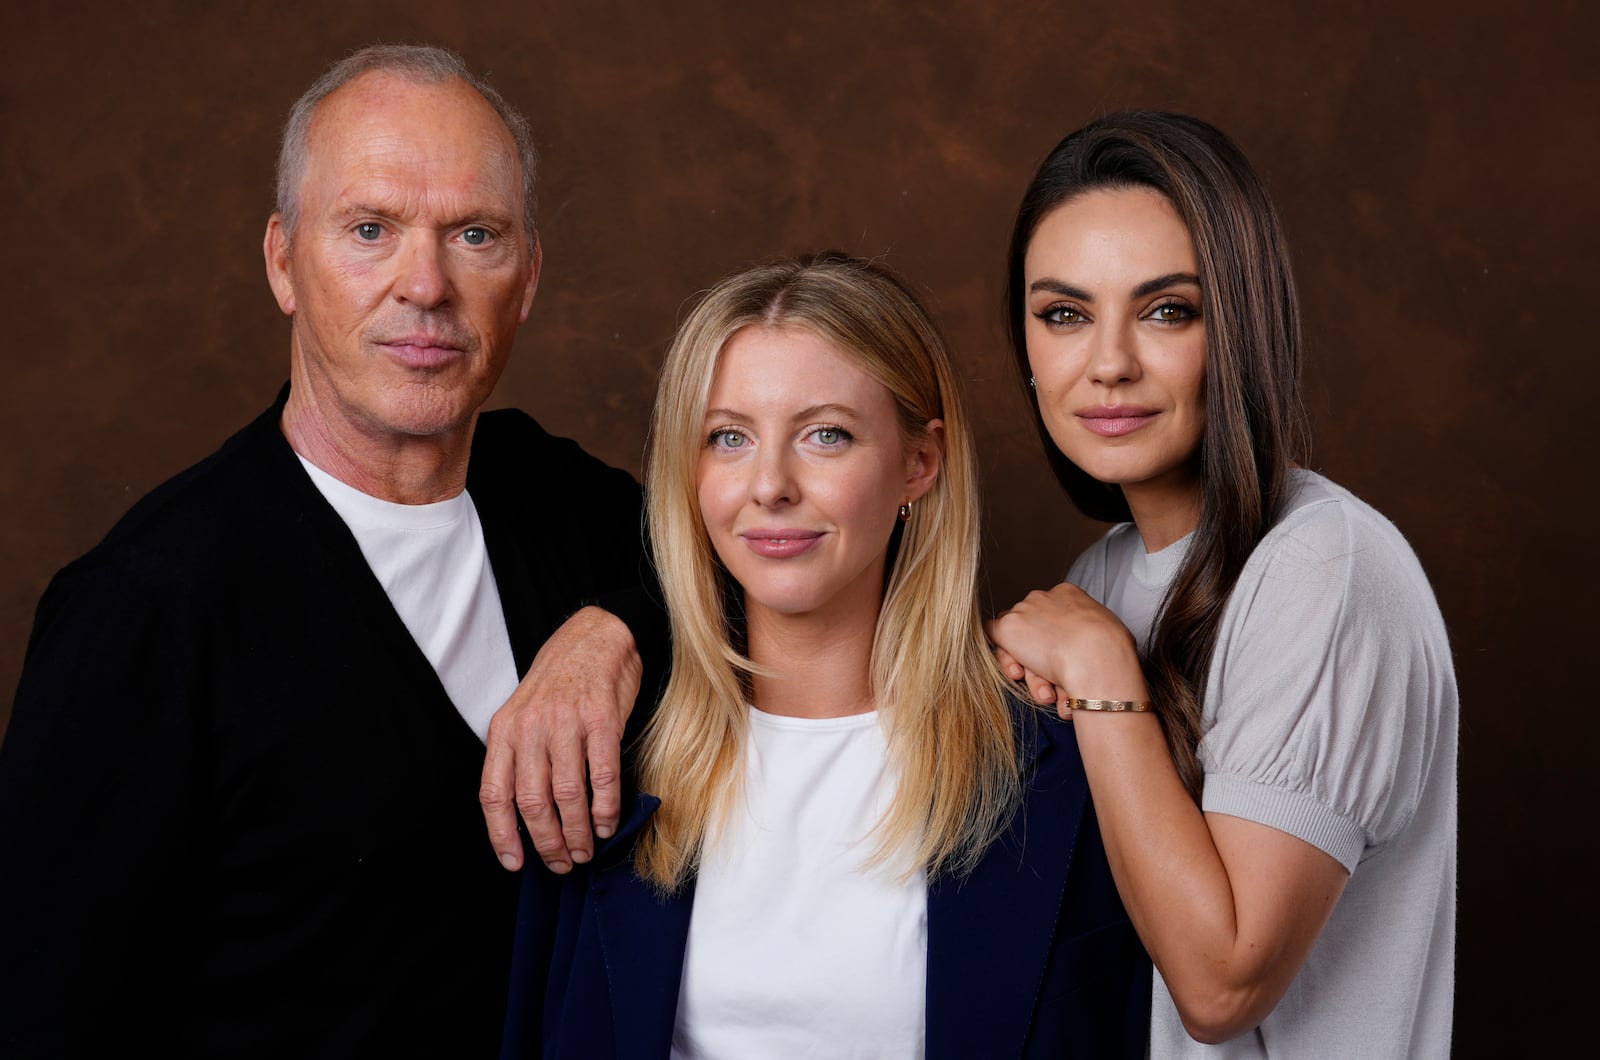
(275, 248)
(535, 263)
(926, 460)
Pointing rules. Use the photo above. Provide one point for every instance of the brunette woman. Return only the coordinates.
(1272, 748)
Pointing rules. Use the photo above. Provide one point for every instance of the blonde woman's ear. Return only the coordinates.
(926, 459)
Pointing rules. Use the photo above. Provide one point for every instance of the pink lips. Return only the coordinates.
(780, 543)
(421, 351)
(1112, 421)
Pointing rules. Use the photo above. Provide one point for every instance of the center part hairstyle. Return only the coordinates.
(949, 728)
(1255, 428)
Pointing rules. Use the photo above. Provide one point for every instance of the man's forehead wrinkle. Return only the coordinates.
(414, 199)
(402, 174)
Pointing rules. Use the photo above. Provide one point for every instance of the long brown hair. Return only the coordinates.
(1255, 428)
(949, 726)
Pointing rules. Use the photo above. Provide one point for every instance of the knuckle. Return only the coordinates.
(604, 777)
(533, 807)
(567, 791)
(547, 844)
(493, 796)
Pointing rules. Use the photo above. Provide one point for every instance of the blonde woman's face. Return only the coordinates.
(801, 475)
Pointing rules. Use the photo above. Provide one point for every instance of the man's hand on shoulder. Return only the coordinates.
(557, 738)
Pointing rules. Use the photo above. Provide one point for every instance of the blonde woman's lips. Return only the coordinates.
(780, 543)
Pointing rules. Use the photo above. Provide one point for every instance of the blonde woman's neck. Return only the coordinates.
(813, 666)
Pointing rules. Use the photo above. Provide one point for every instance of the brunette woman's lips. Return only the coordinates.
(1114, 420)
(780, 543)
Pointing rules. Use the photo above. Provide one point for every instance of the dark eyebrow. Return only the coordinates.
(1057, 287)
(1161, 283)
(1148, 287)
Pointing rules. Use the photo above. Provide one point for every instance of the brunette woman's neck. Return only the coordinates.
(1164, 512)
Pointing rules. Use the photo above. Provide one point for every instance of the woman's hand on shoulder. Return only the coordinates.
(1061, 642)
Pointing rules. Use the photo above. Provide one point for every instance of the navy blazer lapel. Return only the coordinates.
(643, 935)
(990, 934)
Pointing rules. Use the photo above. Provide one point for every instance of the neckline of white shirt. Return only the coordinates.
(355, 505)
(792, 723)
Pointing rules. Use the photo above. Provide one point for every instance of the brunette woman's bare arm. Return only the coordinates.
(1228, 908)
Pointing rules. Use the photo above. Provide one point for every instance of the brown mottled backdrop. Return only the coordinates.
(1434, 161)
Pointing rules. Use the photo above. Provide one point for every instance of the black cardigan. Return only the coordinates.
(238, 813)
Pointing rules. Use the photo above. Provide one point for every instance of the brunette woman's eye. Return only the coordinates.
(1060, 315)
(1173, 312)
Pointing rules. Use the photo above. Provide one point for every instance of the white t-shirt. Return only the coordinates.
(1330, 713)
(794, 949)
(431, 561)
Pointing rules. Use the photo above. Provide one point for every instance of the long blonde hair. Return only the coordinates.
(950, 731)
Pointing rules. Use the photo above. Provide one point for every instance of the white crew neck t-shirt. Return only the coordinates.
(432, 563)
(796, 950)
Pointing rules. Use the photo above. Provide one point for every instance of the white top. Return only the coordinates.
(1330, 713)
(431, 561)
(794, 950)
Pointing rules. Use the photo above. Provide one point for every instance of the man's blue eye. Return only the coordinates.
(369, 231)
(476, 236)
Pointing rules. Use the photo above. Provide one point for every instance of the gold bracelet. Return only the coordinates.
(1117, 705)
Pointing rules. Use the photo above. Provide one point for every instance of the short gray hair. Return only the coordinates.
(419, 64)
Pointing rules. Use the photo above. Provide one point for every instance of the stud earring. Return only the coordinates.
(1033, 384)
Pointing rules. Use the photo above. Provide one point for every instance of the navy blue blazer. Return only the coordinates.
(1030, 955)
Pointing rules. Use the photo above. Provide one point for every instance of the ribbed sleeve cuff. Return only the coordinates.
(1302, 816)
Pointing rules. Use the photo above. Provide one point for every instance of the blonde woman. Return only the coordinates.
(855, 842)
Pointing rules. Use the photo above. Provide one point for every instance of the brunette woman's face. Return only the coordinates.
(1115, 340)
(802, 473)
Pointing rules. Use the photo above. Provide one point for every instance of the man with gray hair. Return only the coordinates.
(239, 795)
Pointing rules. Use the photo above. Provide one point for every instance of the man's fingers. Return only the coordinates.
(496, 796)
(605, 782)
(538, 810)
(571, 794)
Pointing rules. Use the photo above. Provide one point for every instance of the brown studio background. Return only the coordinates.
(1433, 162)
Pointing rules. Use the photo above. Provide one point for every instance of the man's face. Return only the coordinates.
(410, 268)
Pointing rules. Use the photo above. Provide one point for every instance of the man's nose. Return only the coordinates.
(423, 277)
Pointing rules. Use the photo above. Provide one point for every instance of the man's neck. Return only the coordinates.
(405, 470)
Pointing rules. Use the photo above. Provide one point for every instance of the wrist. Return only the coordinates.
(1109, 671)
